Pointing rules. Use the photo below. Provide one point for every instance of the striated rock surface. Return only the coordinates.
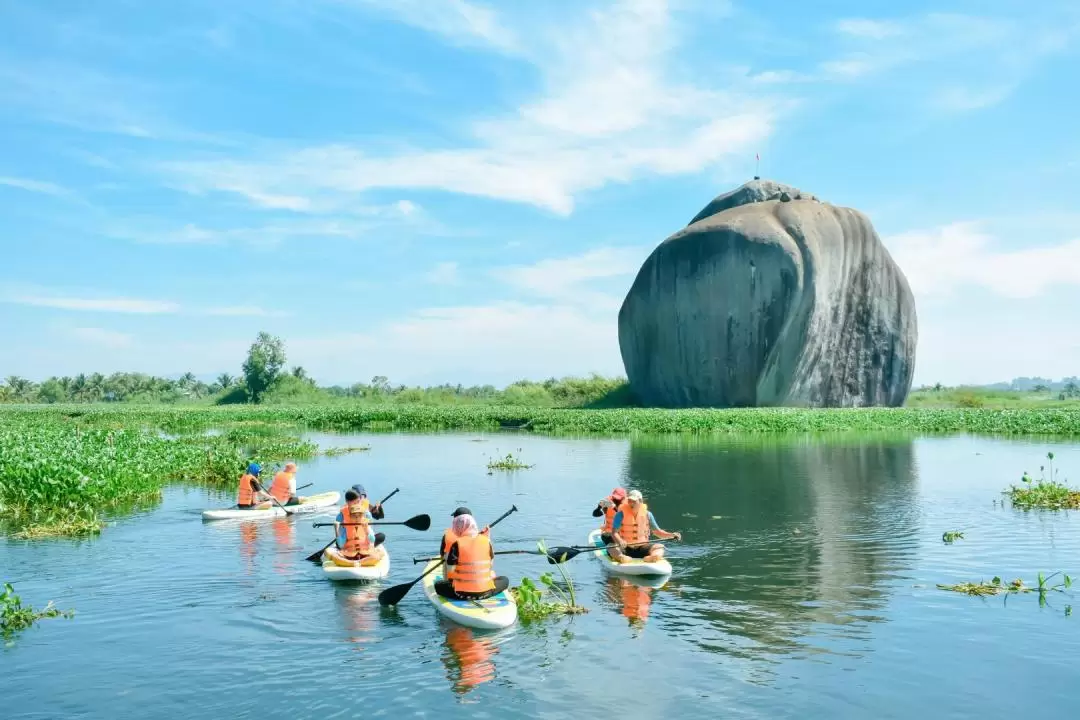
(770, 297)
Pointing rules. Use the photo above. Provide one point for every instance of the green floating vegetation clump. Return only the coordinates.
(507, 463)
(952, 535)
(1044, 494)
(1017, 586)
(15, 617)
(530, 597)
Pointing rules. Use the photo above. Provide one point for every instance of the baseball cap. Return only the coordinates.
(461, 511)
(635, 495)
(359, 489)
(618, 493)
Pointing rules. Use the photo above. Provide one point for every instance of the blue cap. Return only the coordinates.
(254, 468)
(359, 489)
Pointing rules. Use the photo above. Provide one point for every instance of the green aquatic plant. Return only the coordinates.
(507, 463)
(952, 535)
(1044, 493)
(15, 617)
(530, 599)
(1017, 586)
(335, 451)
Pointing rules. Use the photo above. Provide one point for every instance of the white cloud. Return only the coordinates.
(871, 29)
(113, 304)
(941, 260)
(488, 343)
(611, 111)
(445, 273)
(106, 338)
(566, 279)
(461, 22)
(242, 311)
(37, 186)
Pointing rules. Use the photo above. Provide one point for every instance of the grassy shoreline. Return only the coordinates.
(65, 469)
(1063, 422)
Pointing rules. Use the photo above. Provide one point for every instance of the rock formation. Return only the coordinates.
(770, 297)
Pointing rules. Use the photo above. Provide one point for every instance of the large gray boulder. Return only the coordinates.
(770, 297)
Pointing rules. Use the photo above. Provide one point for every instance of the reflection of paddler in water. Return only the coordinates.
(634, 596)
(284, 533)
(249, 535)
(358, 608)
(468, 659)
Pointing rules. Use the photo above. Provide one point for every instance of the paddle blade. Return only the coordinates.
(316, 557)
(418, 522)
(561, 554)
(394, 595)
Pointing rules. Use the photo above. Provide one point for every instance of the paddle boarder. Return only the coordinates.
(631, 529)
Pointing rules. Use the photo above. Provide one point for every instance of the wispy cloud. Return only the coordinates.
(939, 261)
(105, 338)
(458, 21)
(610, 112)
(36, 186)
(444, 273)
(105, 304)
(568, 279)
(243, 311)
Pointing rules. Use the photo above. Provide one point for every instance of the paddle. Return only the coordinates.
(417, 522)
(317, 556)
(394, 595)
(498, 552)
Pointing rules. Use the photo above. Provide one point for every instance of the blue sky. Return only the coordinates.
(449, 190)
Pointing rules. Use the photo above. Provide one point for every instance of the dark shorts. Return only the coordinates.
(606, 538)
(244, 507)
(293, 501)
(637, 551)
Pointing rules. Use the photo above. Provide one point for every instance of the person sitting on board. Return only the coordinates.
(376, 510)
(284, 486)
(355, 541)
(470, 569)
(449, 537)
(250, 493)
(633, 525)
(608, 507)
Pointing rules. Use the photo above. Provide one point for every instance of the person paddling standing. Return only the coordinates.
(470, 564)
(631, 529)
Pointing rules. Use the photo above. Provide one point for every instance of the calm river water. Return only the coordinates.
(804, 587)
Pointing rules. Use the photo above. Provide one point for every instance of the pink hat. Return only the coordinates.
(618, 493)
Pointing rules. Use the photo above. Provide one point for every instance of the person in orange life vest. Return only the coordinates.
(355, 541)
(634, 523)
(448, 537)
(250, 493)
(284, 486)
(376, 510)
(470, 569)
(607, 508)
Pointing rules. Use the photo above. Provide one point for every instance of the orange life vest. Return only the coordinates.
(448, 539)
(635, 527)
(609, 516)
(356, 536)
(474, 572)
(245, 495)
(280, 488)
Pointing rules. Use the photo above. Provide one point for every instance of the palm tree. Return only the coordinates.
(225, 380)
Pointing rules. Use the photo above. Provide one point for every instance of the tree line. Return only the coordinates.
(265, 378)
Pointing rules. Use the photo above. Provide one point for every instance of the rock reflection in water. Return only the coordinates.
(787, 542)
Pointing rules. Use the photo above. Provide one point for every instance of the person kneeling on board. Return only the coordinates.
(470, 573)
(355, 541)
(449, 537)
(250, 493)
(608, 507)
(633, 525)
(284, 487)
